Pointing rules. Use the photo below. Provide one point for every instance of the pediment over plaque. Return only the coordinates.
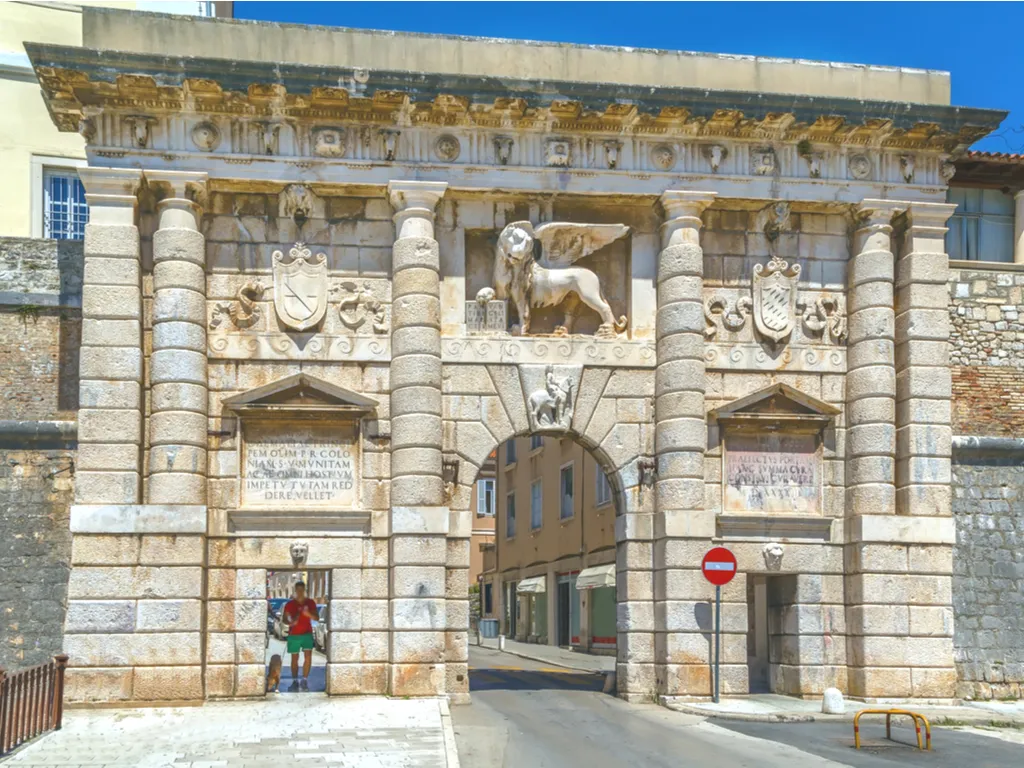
(300, 457)
(300, 393)
(772, 455)
(776, 407)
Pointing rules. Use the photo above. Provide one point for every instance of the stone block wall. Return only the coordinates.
(986, 307)
(40, 329)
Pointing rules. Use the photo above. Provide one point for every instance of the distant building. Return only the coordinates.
(556, 523)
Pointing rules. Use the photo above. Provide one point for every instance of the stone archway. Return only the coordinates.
(612, 418)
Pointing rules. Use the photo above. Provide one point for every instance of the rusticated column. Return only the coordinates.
(899, 625)
(682, 527)
(178, 425)
(110, 419)
(871, 373)
(419, 516)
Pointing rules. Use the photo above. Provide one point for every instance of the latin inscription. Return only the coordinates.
(295, 467)
(772, 473)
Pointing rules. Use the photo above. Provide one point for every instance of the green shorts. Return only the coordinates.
(298, 643)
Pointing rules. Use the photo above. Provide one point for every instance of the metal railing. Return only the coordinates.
(31, 702)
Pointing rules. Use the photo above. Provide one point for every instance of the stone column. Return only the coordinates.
(871, 374)
(1018, 228)
(178, 425)
(924, 447)
(110, 418)
(419, 515)
(682, 527)
(923, 378)
(899, 625)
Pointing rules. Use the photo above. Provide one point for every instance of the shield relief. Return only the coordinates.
(300, 288)
(775, 296)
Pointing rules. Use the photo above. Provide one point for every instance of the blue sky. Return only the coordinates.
(970, 40)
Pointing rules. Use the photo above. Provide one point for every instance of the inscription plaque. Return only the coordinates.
(772, 473)
(300, 466)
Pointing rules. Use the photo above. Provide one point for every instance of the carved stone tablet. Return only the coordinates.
(772, 473)
(300, 465)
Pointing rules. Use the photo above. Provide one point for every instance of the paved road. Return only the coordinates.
(317, 672)
(526, 714)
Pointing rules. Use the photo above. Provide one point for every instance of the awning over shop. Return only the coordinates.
(532, 585)
(598, 576)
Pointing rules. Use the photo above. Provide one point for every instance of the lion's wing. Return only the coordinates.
(565, 243)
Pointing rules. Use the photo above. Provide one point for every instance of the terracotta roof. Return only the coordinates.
(1012, 157)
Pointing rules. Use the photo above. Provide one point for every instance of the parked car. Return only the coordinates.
(274, 606)
(320, 628)
(280, 628)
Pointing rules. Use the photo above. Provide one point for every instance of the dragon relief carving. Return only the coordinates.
(243, 312)
(518, 275)
(360, 305)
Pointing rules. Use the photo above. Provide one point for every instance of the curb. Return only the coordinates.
(451, 752)
(542, 660)
(744, 717)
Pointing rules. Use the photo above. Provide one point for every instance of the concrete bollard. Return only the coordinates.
(501, 642)
(832, 702)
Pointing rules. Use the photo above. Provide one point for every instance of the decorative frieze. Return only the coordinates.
(547, 349)
(754, 357)
(284, 346)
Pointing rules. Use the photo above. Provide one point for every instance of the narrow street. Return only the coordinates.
(527, 713)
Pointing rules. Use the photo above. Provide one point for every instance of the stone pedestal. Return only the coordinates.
(419, 514)
(682, 527)
(178, 425)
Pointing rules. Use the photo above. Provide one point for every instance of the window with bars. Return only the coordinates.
(65, 212)
(485, 498)
(602, 490)
(536, 505)
(981, 229)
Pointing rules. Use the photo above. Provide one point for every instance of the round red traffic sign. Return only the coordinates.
(719, 566)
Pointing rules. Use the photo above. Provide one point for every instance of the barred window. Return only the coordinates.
(65, 212)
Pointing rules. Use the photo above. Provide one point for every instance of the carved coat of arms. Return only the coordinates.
(775, 296)
(300, 287)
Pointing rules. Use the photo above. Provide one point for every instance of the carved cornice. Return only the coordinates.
(79, 81)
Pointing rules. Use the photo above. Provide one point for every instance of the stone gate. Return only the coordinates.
(316, 299)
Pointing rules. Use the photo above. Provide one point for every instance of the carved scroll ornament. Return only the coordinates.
(244, 312)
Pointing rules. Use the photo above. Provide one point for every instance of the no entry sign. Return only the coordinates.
(719, 566)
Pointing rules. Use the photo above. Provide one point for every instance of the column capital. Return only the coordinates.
(112, 194)
(929, 214)
(682, 210)
(181, 197)
(871, 212)
(186, 185)
(677, 203)
(414, 203)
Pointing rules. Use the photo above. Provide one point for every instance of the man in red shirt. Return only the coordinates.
(299, 613)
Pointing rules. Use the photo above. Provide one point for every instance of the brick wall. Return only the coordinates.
(40, 332)
(987, 350)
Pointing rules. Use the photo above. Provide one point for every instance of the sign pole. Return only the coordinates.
(718, 567)
(718, 634)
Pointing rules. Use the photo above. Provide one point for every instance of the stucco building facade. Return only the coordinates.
(316, 298)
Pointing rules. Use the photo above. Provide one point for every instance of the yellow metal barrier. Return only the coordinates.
(917, 718)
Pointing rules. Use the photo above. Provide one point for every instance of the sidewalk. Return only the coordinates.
(769, 707)
(359, 732)
(552, 654)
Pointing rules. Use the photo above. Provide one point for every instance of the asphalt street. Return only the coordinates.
(524, 713)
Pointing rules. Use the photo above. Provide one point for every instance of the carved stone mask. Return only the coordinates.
(772, 556)
(299, 552)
